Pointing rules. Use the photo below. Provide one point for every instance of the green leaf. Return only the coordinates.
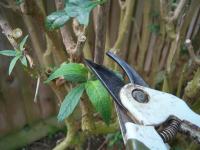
(100, 99)
(12, 63)
(70, 102)
(80, 9)
(24, 61)
(154, 28)
(18, 2)
(56, 20)
(22, 43)
(8, 52)
(72, 72)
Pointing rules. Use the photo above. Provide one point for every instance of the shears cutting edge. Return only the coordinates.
(148, 118)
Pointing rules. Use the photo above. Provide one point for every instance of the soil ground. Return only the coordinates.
(94, 143)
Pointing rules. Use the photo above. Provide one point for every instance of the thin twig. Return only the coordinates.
(122, 4)
(196, 29)
(178, 10)
(103, 144)
(163, 11)
(80, 31)
(192, 23)
(7, 31)
(13, 7)
(175, 45)
(175, 15)
(125, 24)
(78, 52)
(66, 34)
(39, 15)
(190, 49)
(100, 34)
(37, 89)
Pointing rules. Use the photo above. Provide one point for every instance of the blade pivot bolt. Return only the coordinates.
(140, 96)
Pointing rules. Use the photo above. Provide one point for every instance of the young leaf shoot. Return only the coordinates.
(71, 72)
(70, 102)
(100, 99)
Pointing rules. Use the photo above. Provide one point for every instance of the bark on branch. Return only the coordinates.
(125, 24)
(177, 11)
(7, 31)
(65, 31)
(100, 33)
(190, 49)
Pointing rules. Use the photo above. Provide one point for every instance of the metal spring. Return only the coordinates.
(170, 131)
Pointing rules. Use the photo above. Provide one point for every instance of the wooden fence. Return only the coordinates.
(21, 118)
(147, 46)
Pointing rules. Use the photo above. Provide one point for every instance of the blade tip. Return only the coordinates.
(90, 64)
(87, 62)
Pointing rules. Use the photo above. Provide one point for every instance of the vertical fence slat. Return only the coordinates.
(46, 101)
(32, 109)
(135, 38)
(114, 22)
(149, 55)
(13, 103)
(4, 125)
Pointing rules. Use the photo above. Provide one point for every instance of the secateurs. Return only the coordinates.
(148, 118)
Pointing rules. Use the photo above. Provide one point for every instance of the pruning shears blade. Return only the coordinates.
(133, 76)
(109, 79)
(113, 84)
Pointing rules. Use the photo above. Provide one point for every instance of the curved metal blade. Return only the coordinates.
(113, 84)
(133, 76)
(109, 79)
